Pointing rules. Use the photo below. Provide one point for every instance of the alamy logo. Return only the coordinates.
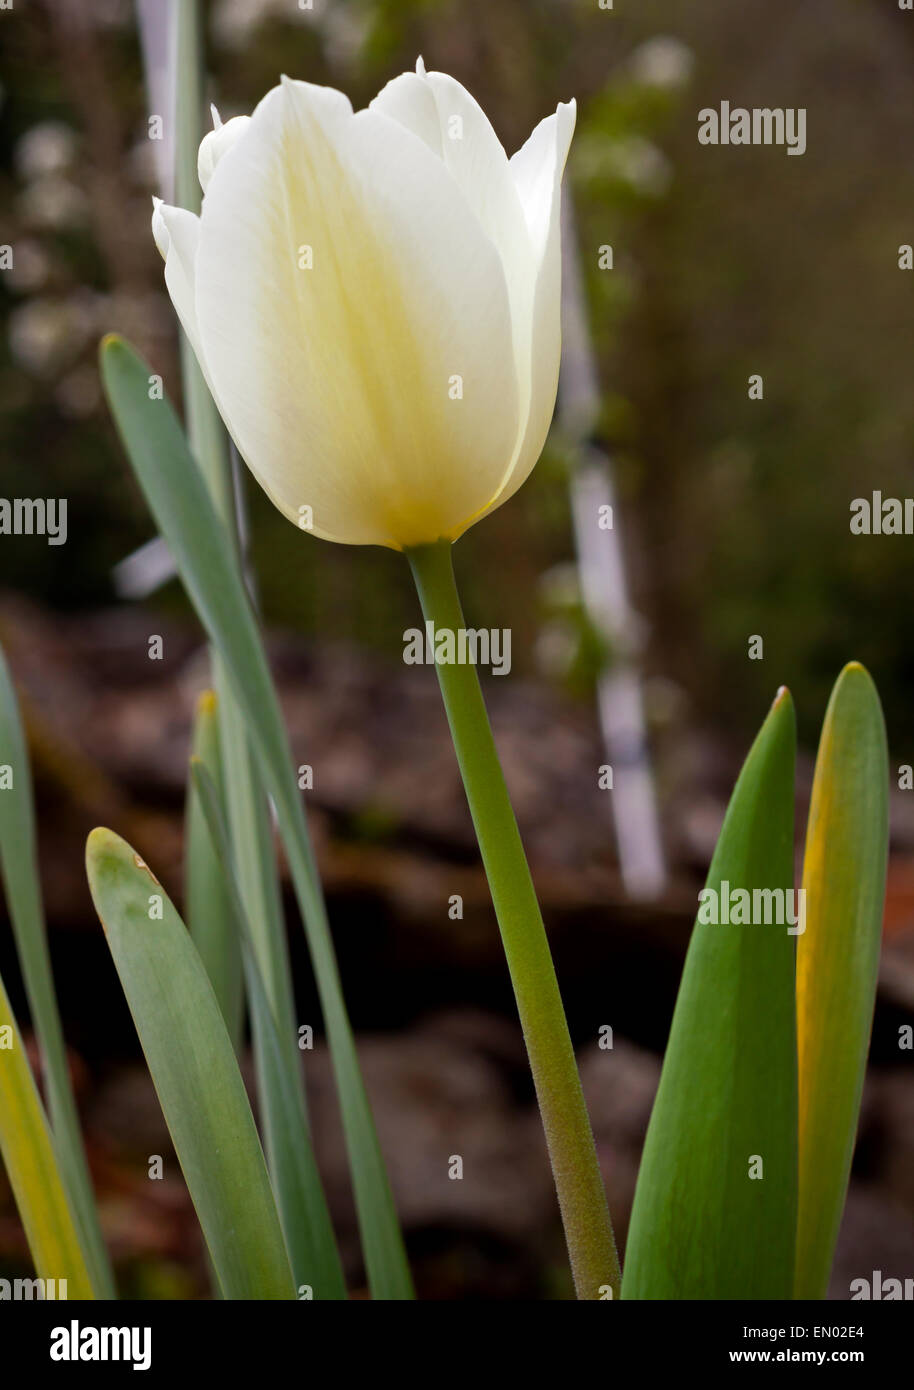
(762, 125)
(75, 1343)
(883, 516)
(762, 907)
(34, 516)
(881, 1290)
(468, 646)
(33, 1290)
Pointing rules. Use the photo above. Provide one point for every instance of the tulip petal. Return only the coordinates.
(410, 100)
(216, 144)
(537, 168)
(337, 381)
(177, 235)
(442, 113)
(454, 126)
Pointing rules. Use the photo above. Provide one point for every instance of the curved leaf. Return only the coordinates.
(193, 1069)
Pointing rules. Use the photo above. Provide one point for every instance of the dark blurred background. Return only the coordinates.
(734, 519)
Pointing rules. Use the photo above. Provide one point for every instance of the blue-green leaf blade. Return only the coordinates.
(207, 906)
(194, 1071)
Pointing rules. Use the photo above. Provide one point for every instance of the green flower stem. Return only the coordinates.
(588, 1229)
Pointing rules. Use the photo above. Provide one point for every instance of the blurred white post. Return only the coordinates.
(604, 591)
(156, 24)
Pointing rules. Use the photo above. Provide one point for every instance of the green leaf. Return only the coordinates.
(194, 1071)
(207, 905)
(254, 858)
(32, 1167)
(19, 866)
(838, 959)
(201, 550)
(300, 1195)
(702, 1227)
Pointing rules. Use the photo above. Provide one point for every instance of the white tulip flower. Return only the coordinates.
(373, 298)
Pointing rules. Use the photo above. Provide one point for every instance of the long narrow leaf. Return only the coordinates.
(714, 1215)
(35, 1177)
(19, 866)
(254, 858)
(838, 959)
(198, 542)
(299, 1192)
(207, 905)
(193, 1068)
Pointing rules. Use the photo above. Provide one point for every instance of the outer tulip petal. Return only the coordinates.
(537, 168)
(177, 235)
(454, 126)
(537, 172)
(336, 378)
